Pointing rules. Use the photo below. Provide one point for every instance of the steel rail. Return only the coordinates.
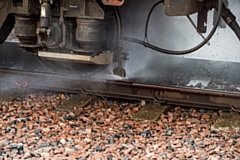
(122, 89)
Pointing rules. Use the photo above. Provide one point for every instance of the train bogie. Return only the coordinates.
(85, 35)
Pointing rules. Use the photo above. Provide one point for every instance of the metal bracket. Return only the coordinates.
(103, 58)
(119, 70)
(113, 2)
(61, 22)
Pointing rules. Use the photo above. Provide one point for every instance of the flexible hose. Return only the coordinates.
(148, 18)
(171, 52)
(235, 27)
(119, 23)
(119, 42)
(7, 27)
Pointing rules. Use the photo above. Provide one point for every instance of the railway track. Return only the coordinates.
(34, 126)
(122, 89)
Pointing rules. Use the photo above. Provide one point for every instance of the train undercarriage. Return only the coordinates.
(85, 36)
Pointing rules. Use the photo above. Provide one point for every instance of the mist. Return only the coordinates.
(173, 33)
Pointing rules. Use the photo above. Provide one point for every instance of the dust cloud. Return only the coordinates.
(174, 33)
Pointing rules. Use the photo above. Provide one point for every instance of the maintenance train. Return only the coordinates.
(86, 35)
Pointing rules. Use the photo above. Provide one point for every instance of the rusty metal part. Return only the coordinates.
(182, 7)
(22, 7)
(125, 90)
(102, 58)
(113, 2)
(119, 72)
(83, 9)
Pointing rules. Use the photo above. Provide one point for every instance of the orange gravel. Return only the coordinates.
(31, 128)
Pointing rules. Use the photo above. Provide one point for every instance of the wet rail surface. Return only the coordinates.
(122, 89)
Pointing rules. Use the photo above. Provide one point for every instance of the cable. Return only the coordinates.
(153, 47)
(3, 4)
(119, 42)
(148, 18)
(119, 27)
(7, 27)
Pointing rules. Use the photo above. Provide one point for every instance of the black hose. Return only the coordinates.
(119, 23)
(148, 18)
(230, 20)
(119, 42)
(235, 27)
(153, 47)
(7, 27)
